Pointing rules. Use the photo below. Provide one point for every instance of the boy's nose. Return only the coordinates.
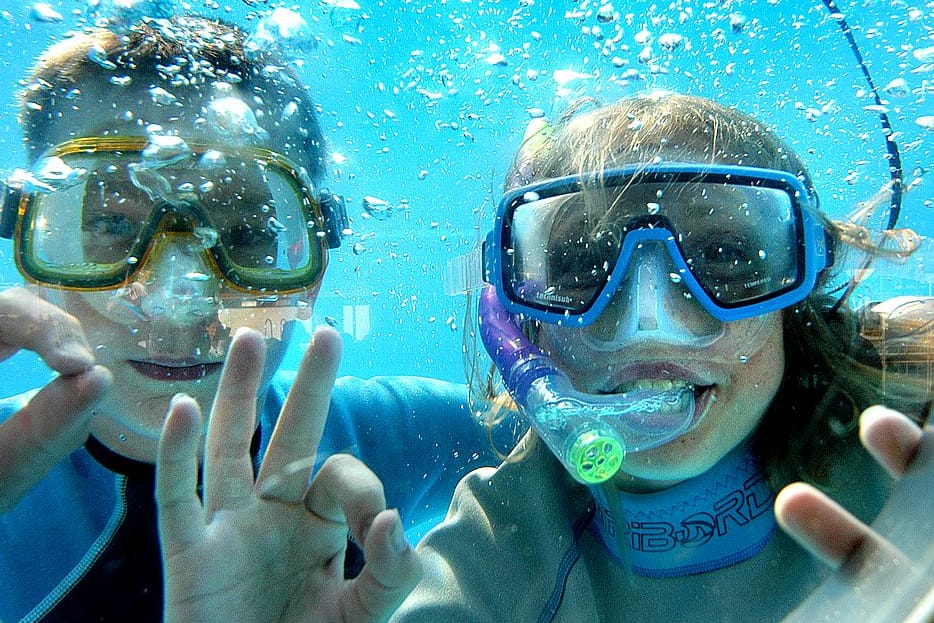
(652, 304)
(181, 283)
(177, 284)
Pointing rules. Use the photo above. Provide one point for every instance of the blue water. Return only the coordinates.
(424, 115)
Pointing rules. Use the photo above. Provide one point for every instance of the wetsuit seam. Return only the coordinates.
(570, 558)
(68, 583)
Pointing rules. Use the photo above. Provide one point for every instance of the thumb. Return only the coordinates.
(392, 570)
(51, 425)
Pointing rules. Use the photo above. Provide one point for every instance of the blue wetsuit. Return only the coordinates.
(83, 545)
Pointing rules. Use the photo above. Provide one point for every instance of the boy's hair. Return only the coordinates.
(186, 52)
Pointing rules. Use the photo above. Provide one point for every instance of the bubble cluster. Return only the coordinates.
(232, 119)
(119, 15)
(283, 32)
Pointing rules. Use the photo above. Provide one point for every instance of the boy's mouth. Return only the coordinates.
(162, 372)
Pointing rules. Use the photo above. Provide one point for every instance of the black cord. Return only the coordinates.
(895, 160)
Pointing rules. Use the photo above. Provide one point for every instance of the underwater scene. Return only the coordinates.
(423, 103)
(635, 301)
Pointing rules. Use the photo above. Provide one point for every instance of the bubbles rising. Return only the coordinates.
(164, 150)
(43, 12)
(231, 118)
(377, 208)
(119, 15)
(283, 31)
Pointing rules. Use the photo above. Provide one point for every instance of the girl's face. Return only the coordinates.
(654, 336)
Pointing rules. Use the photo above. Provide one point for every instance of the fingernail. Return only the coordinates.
(397, 536)
(176, 398)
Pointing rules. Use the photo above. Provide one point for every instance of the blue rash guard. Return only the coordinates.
(83, 545)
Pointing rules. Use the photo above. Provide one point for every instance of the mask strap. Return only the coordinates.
(12, 191)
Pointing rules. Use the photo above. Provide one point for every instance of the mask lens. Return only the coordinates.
(85, 228)
(740, 242)
(270, 239)
(733, 243)
(553, 262)
(249, 211)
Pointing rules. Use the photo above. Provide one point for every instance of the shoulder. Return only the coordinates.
(400, 390)
(518, 517)
(410, 406)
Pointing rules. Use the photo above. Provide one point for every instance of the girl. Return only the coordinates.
(660, 308)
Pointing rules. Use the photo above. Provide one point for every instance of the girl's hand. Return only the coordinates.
(884, 572)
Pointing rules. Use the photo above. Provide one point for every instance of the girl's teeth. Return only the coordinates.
(659, 385)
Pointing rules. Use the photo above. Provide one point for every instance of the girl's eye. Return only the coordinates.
(728, 251)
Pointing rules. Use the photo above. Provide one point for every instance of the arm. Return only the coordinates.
(271, 550)
(54, 422)
(417, 434)
(883, 572)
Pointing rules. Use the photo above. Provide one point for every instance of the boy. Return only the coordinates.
(171, 211)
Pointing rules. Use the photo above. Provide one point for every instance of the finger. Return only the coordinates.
(825, 528)
(51, 426)
(890, 437)
(27, 321)
(391, 571)
(228, 467)
(290, 457)
(345, 491)
(180, 513)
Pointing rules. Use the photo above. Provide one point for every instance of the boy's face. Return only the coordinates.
(167, 331)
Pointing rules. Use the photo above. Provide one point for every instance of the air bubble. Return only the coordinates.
(283, 31)
(98, 55)
(161, 97)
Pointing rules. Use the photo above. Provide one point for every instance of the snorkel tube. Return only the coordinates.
(589, 433)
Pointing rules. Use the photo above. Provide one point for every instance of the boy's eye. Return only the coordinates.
(110, 225)
(241, 235)
(244, 235)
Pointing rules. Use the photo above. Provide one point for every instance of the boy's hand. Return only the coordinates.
(884, 570)
(55, 421)
(273, 550)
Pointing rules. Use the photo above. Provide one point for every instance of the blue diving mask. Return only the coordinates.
(617, 257)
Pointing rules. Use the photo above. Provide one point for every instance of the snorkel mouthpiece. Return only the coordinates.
(590, 434)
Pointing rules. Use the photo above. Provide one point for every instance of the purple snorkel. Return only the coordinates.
(590, 434)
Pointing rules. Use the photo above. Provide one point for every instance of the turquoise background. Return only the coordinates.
(423, 116)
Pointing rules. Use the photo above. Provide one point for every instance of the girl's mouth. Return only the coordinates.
(162, 372)
(660, 408)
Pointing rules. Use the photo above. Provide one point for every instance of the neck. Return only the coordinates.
(715, 520)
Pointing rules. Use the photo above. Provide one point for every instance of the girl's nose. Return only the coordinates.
(652, 304)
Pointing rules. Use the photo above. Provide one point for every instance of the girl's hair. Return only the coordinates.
(183, 52)
(831, 372)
